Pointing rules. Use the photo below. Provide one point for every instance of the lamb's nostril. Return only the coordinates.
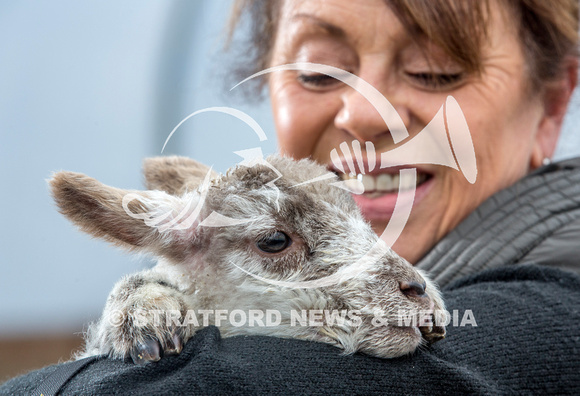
(413, 288)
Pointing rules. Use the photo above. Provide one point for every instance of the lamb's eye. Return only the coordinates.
(274, 243)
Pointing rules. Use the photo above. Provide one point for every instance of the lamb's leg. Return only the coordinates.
(143, 318)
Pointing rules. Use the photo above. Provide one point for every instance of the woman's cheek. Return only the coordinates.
(301, 118)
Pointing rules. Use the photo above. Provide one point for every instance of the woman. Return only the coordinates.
(494, 57)
(511, 66)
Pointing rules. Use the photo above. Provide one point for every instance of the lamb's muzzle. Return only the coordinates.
(413, 288)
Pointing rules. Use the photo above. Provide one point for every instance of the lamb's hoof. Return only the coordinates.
(149, 351)
(174, 345)
(434, 334)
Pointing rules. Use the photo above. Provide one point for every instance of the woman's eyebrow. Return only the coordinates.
(329, 28)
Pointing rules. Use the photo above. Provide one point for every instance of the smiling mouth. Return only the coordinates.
(378, 184)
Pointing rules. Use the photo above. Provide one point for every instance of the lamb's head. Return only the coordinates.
(279, 235)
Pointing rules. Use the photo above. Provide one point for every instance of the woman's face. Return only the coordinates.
(315, 114)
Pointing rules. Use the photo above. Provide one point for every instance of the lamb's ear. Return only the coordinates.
(120, 216)
(174, 175)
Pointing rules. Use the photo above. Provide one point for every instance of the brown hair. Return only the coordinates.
(548, 31)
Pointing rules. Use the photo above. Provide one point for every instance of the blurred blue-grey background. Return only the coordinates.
(95, 86)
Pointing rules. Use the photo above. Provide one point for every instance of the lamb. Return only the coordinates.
(270, 237)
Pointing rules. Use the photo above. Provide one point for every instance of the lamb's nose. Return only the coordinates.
(413, 288)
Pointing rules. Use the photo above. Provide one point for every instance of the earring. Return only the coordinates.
(546, 161)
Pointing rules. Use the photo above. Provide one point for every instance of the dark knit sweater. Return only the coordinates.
(537, 220)
(526, 340)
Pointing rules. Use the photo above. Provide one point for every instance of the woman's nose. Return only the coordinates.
(360, 118)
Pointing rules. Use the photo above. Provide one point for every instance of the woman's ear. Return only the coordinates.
(556, 98)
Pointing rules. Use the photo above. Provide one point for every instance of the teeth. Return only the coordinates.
(384, 182)
(353, 185)
(395, 181)
(367, 181)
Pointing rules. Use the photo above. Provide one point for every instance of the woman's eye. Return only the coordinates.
(274, 243)
(317, 81)
(437, 80)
